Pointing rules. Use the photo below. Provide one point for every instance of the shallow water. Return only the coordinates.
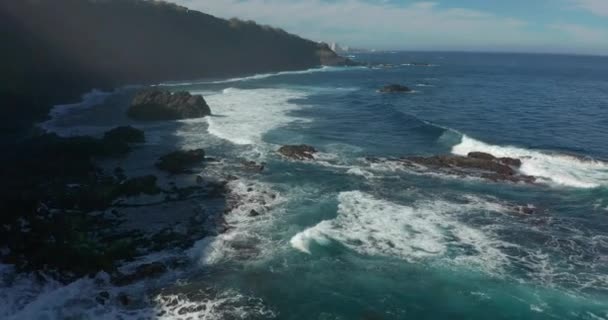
(351, 239)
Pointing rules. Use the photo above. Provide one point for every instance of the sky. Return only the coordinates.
(558, 26)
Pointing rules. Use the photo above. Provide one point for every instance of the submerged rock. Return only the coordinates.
(156, 104)
(180, 161)
(394, 88)
(298, 152)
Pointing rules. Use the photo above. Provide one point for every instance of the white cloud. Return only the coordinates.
(597, 7)
(580, 33)
(383, 24)
(359, 22)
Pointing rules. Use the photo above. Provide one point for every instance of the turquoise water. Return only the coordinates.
(347, 238)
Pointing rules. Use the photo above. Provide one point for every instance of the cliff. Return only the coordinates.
(54, 50)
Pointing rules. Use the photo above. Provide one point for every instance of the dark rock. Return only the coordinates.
(102, 297)
(394, 88)
(144, 271)
(253, 213)
(465, 163)
(156, 104)
(119, 174)
(486, 156)
(298, 152)
(124, 299)
(117, 141)
(126, 134)
(253, 166)
(478, 164)
(180, 161)
(527, 209)
(510, 162)
(330, 58)
(139, 185)
(481, 155)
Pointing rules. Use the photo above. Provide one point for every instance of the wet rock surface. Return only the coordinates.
(475, 164)
(180, 161)
(154, 105)
(298, 152)
(253, 166)
(59, 199)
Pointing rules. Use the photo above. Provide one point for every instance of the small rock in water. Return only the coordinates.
(253, 213)
(394, 88)
(298, 152)
(253, 166)
(527, 209)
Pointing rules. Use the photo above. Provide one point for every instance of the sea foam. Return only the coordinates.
(425, 230)
(262, 76)
(557, 169)
(250, 210)
(244, 116)
(60, 113)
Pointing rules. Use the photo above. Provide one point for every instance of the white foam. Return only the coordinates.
(25, 296)
(555, 169)
(373, 226)
(59, 112)
(360, 172)
(244, 116)
(224, 305)
(243, 239)
(262, 76)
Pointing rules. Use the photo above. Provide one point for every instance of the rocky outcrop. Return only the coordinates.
(253, 166)
(394, 88)
(138, 185)
(486, 156)
(153, 105)
(298, 152)
(476, 164)
(328, 57)
(126, 134)
(180, 161)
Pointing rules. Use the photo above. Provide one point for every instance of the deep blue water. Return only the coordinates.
(350, 239)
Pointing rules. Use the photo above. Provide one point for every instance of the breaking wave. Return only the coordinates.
(557, 169)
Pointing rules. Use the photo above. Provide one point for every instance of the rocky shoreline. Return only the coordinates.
(60, 199)
(67, 217)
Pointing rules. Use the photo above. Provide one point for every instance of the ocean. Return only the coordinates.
(346, 237)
